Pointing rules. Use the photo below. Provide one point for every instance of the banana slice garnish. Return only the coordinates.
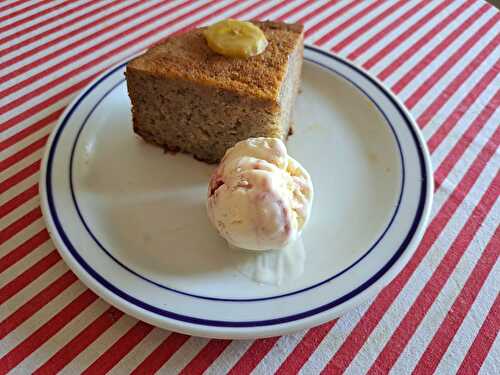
(235, 38)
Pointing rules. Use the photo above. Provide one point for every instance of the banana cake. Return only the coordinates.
(186, 97)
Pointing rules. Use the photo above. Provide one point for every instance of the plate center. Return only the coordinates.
(147, 208)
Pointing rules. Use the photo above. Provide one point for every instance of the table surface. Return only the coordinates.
(442, 313)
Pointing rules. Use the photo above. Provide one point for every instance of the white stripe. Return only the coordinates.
(319, 17)
(61, 338)
(38, 116)
(36, 21)
(396, 32)
(19, 165)
(20, 211)
(290, 5)
(25, 263)
(459, 95)
(32, 289)
(117, 31)
(414, 59)
(229, 357)
(279, 352)
(115, 59)
(387, 59)
(43, 315)
(344, 33)
(454, 72)
(135, 356)
(28, 13)
(334, 339)
(56, 25)
(491, 364)
(379, 26)
(453, 138)
(333, 23)
(309, 9)
(85, 358)
(405, 299)
(183, 356)
(12, 9)
(19, 188)
(436, 314)
(22, 236)
(469, 328)
(445, 55)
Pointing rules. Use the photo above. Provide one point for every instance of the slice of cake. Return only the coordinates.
(186, 97)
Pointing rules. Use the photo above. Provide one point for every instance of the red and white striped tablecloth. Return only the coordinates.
(442, 313)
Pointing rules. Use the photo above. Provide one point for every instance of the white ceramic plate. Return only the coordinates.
(130, 220)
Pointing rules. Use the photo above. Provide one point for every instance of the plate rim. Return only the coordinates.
(262, 330)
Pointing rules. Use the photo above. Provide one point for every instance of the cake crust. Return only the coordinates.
(188, 57)
(187, 98)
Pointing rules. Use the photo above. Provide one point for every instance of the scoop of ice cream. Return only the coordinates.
(259, 198)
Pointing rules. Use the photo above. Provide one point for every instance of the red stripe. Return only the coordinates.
(363, 329)
(46, 46)
(27, 131)
(291, 12)
(419, 44)
(29, 18)
(450, 62)
(253, 356)
(316, 11)
(207, 17)
(452, 119)
(155, 360)
(18, 200)
(84, 41)
(24, 249)
(268, 11)
(412, 319)
(459, 148)
(436, 51)
(205, 357)
(367, 26)
(249, 8)
(19, 176)
(134, 42)
(119, 349)
(483, 342)
(450, 122)
(344, 25)
(386, 30)
(45, 332)
(459, 80)
(31, 274)
(47, 21)
(12, 5)
(434, 352)
(401, 38)
(80, 342)
(35, 109)
(12, 229)
(35, 303)
(327, 20)
(21, 154)
(303, 351)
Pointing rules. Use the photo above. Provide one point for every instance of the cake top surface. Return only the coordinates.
(187, 56)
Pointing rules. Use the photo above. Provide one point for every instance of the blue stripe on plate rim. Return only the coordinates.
(419, 216)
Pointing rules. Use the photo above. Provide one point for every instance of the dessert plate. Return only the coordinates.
(130, 220)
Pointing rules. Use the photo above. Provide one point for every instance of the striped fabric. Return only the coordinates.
(442, 313)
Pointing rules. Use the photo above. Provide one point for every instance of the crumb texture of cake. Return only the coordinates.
(185, 97)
